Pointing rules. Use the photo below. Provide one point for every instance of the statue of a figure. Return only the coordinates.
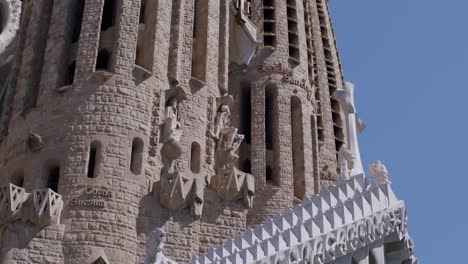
(154, 247)
(228, 140)
(345, 161)
(379, 173)
(172, 127)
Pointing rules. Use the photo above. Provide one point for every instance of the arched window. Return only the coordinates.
(108, 14)
(195, 159)
(103, 60)
(136, 158)
(94, 152)
(140, 49)
(18, 178)
(53, 177)
(298, 147)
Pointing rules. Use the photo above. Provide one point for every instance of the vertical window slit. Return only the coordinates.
(93, 159)
(200, 38)
(136, 158)
(195, 158)
(53, 178)
(140, 54)
(272, 136)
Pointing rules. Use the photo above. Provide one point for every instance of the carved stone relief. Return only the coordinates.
(230, 183)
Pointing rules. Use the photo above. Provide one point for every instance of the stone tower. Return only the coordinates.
(203, 117)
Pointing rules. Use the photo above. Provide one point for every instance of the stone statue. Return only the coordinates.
(172, 127)
(345, 161)
(154, 247)
(228, 140)
(243, 6)
(379, 173)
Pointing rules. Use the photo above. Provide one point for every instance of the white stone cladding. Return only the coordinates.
(334, 226)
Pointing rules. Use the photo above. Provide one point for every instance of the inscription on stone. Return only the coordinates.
(92, 197)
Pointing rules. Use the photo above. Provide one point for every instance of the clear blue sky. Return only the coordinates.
(409, 61)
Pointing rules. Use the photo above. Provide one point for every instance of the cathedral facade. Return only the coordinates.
(202, 117)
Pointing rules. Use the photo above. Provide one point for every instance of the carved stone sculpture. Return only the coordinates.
(345, 96)
(175, 190)
(379, 173)
(345, 161)
(199, 185)
(34, 142)
(231, 183)
(154, 247)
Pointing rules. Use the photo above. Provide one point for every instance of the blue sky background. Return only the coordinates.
(409, 61)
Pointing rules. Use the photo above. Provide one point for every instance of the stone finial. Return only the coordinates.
(154, 247)
(34, 142)
(379, 173)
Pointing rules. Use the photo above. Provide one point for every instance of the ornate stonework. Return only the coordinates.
(206, 119)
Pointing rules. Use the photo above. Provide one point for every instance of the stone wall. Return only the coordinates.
(87, 126)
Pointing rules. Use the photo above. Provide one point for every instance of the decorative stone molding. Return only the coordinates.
(154, 247)
(45, 210)
(47, 206)
(12, 199)
(335, 223)
(234, 184)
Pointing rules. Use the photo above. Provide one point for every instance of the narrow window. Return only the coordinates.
(292, 30)
(298, 148)
(53, 178)
(38, 57)
(107, 37)
(139, 56)
(195, 159)
(108, 15)
(77, 20)
(3, 17)
(136, 158)
(272, 135)
(200, 38)
(18, 178)
(103, 60)
(269, 175)
(246, 113)
(269, 23)
(92, 161)
(372, 259)
(269, 119)
(70, 73)
(315, 153)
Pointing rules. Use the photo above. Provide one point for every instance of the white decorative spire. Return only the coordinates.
(345, 96)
